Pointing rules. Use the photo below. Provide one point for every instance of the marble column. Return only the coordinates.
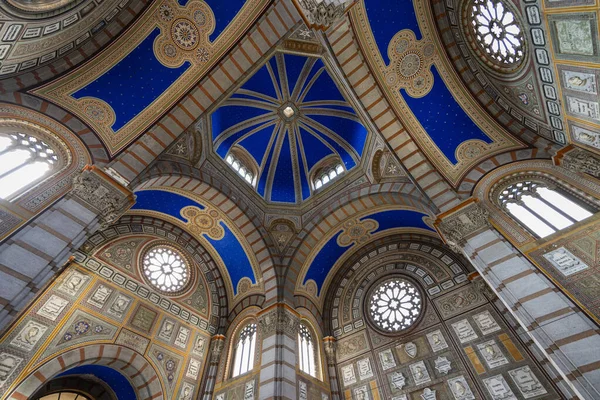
(217, 344)
(38, 251)
(562, 332)
(330, 346)
(278, 326)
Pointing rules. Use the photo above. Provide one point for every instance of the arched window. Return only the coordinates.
(240, 167)
(327, 174)
(24, 160)
(244, 350)
(540, 208)
(306, 351)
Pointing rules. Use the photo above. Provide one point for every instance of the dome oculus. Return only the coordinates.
(395, 305)
(497, 32)
(165, 269)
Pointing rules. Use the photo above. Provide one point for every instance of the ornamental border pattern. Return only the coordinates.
(60, 90)
(501, 141)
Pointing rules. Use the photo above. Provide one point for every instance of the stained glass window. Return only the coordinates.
(165, 269)
(395, 305)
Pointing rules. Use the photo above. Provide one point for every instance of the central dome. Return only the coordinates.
(290, 121)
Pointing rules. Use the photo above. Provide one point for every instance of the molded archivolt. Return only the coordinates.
(139, 371)
(451, 128)
(421, 257)
(326, 253)
(71, 151)
(47, 38)
(225, 242)
(178, 44)
(120, 245)
(588, 190)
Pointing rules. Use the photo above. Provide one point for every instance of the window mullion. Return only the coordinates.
(558, 210)
(15, 169)
(544, 220)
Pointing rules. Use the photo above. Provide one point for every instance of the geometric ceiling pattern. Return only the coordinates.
(290, 118)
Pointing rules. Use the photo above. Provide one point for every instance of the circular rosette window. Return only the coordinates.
(495, 33)
(166, 269)
(394, 305)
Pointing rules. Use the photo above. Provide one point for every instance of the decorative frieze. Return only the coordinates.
(322, 13)
(456, 226)
(278, 320)
(578, 160)
(102, 193)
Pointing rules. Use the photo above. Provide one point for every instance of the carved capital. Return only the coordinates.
(455, 226)
(216, 348)
(577, 159)
(330, 346)
(321, 14)
(278, 320)
(102, 193)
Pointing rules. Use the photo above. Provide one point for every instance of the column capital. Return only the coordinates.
(458, 223)
(577, 159)
(216, 348)
(102, 193)
(321, 14)
(279, 319)
(330, 346)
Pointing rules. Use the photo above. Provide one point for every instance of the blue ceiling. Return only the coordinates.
(229, 248)
(284, 150)
(332, 252)
(439, 114)
(139, 78)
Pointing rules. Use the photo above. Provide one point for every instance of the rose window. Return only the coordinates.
(395, 305)
(165, 269)
(497, 31)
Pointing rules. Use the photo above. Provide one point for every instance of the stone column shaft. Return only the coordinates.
(217, 344)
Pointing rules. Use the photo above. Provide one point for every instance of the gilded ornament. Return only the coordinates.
(410, 62)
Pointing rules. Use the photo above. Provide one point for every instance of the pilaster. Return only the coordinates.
(562, 332)
(278, 327)
(35, 253)
(217, 344)
(330, 346)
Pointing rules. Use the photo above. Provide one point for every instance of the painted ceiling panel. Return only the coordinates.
(438, 112)
(332, 251)
(443, 118)
(318, 148)
(134, 83)
(142, 74)
(252, 120)
(387, 18)
(229, 247)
